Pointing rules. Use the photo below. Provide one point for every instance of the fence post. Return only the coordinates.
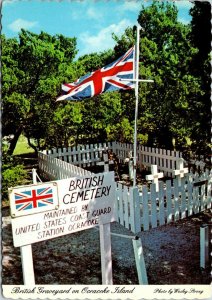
(204, 246)
(139, 260)
(135, 210)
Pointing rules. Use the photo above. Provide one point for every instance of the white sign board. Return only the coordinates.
(34, 198)
(83, 203)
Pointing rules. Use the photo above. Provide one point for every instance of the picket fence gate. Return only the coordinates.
(141, 208)
(88, 155)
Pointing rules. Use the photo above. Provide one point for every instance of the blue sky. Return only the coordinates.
(91, 22)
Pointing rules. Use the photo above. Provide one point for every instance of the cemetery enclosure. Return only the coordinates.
(137, 208)
(88, 155)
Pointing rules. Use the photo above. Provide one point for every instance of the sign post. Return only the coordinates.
(26, 255)
(106, 255)
(27, 265)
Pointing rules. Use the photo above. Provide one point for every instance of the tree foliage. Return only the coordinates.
(171, 110)
(200, 37)
(32, 69)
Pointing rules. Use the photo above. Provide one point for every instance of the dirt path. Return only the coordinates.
(171, 256)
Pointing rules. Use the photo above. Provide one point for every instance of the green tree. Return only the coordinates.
(33, 70)
(200, 36)
(167, 108)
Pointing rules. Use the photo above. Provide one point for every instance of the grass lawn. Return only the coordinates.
(22, 146)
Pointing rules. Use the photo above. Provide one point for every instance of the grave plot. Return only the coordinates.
(137, 209)
(154, 201)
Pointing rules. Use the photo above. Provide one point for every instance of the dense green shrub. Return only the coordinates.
(13, 174)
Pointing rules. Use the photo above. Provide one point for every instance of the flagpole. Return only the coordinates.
(136, 100)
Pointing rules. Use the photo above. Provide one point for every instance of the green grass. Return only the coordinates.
(22, 146)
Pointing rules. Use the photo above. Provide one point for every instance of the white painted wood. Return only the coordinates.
(204, 246)
(140, 263)
(34, 176)
(82, 211)
(155, 176)
(26, 255)
(145, 155)
(181, 201)
(145, 208)
(131, 166)
(176, 200)
(209, 192)
(154, 196)
(169, 210)
(202, 197)
(118, 201)
(135, 210)
(27, 265)
(106, 162)
(126, 207)
(180, 171)
(161, 204)
(106, 254)
(190, 198)
(183, 198)
(196, 199)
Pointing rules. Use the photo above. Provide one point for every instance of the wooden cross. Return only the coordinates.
(180, 171)
(154, 176)
(106, 162)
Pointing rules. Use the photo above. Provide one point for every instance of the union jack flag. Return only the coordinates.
(34, 198)
(109, 78)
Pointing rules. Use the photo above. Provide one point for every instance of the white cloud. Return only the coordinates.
(103, 39)
(8, 2)
(183, 4)
(93, 13)
(131, 6)
(88, 13)
(184, 21)
(75, 15)
(18, 24)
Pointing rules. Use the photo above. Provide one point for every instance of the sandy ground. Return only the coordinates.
(171, 252)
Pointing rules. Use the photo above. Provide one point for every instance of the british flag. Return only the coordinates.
(109, 78)
(34, 198)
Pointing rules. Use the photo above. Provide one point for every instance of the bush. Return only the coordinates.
(13, 174)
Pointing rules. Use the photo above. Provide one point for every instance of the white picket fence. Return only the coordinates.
(144, 209)
(88, 155)
(81, 155)
(54, 168)
(147, 156)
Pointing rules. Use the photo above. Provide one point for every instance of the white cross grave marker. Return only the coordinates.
(180, 171)
(106, 162)
(154, 176)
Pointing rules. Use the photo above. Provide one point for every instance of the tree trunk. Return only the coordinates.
(15, 140)
(31, 145)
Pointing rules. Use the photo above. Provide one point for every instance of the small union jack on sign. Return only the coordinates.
(31, 199)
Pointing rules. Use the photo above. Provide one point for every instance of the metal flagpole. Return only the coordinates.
(136, 100)
(137, 80)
